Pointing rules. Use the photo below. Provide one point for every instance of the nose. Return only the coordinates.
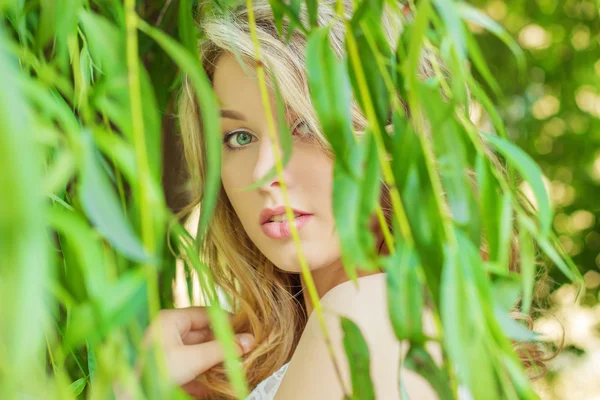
(264, 163)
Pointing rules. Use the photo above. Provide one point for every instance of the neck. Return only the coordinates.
(326, 279)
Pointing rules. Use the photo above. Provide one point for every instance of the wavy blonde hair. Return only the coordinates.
(266, 300)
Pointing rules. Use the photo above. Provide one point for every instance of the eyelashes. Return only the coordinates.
(299, 126)
(228, 136)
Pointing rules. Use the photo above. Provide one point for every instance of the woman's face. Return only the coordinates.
(247, 156)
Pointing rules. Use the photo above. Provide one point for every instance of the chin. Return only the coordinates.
(292, 264)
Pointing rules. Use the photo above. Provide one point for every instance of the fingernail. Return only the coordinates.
(246, 340)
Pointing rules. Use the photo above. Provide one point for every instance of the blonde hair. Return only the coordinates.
(265, 298)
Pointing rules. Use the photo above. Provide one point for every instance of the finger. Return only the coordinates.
(197, 337)
(198, 358)
(190, 318)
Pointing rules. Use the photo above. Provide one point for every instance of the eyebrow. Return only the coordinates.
(232, 114)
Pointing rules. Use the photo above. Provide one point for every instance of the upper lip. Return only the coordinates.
(267, 213)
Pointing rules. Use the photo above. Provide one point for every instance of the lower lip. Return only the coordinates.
(279, 230)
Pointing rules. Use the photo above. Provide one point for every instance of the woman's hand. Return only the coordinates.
(189, 345)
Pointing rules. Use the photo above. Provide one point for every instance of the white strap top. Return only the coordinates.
(266, 389)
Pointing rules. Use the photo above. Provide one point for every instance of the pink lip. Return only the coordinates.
(279, 230)
(267, 213)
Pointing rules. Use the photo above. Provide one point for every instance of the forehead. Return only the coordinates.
(232, 86)
(238, 91)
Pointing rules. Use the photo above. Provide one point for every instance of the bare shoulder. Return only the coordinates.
(311, 373)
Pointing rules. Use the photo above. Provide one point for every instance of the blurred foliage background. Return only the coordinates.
(555, 117)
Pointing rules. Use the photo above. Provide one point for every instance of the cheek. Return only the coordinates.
(230, 181)
(233, 174)
(317, 175)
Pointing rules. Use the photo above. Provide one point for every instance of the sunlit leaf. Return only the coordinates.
(210, 116)
(357, 352)
(419, 361)
(449, 13)
(331, 93)
(405, 294)
(532, 174)
(474, 15)
(102, 206)
(528, 268)
(78, 386)
(25, 264)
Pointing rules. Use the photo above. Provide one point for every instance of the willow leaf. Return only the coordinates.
(190, 64)
(532, 174)
(475, 16)
(80, 242)
(357, 352)
(528, 270)
(454, 26)
(331, 93)
(405, 294)
(102, 206)
(419, 361)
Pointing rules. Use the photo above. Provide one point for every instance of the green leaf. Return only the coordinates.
(58, 18)
(152, 125)
(78, 386)
(292, 11)
(416, 36)
(186, 27)
(354, 203)
(513, 329)
(368, 52)
(92, 364)
(357, 352)
(475, 16)
(25, 260)
(84, 246)
(496, 212)
(455, 28)
(313, 10)
(346, 197)
(105, 43)
(102, 206)
(331, 93)
(550, 249)
(207, 101)
(481, 65)
(452, 158)
(370, 195)
(528, 269)
(118, 304)
(405, 294)
(54, 106)
(60, 172)
(506, 293)
(487, 104)
(414, 184)
(419, 361)
(465, 316)
(531, 172)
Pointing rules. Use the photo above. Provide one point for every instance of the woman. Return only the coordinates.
(250, 251)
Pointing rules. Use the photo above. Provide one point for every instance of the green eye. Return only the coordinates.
(241, 139)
